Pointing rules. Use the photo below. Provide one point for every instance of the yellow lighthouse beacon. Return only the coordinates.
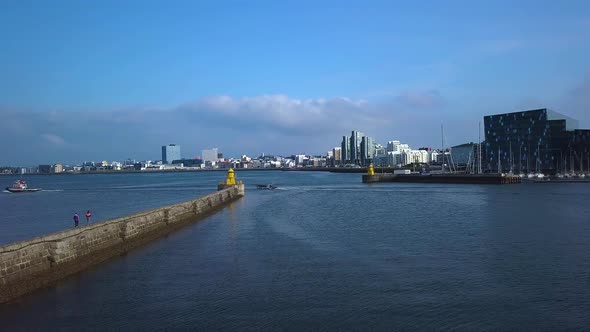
(230, 181)
(371, 170)
(370, 176)
(231, 178)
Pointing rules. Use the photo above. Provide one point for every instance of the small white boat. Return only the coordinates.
(266, 186)
(20, 186)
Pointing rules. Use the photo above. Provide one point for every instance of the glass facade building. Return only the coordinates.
(170, 153)
(355, 147)
(534, 141)
(367, 150)
(345, 149)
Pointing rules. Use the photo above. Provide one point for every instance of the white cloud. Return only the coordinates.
(267, 123)
(54, 140)
(281, 113)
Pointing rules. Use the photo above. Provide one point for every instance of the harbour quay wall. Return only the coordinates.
(443, 178)
(39, 262)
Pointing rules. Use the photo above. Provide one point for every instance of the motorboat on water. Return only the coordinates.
(266, 186)
(20, 186)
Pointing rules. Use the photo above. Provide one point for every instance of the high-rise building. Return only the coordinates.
(367, 150)
(355, 147)
(535, 141)
(345, 149)
(170, 153)
(392, 146)
(337, 156)
(210, 155)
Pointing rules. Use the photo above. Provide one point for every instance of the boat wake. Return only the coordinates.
(53, 190)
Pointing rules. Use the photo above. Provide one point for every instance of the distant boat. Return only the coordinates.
(20, 186)
(266, 186)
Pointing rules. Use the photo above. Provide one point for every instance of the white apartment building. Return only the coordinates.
(210, 155)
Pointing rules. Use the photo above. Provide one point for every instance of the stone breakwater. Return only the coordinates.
(29, 265)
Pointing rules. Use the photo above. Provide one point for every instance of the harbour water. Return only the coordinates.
(322, 252)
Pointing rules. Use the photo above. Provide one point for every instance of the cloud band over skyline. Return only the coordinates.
(274, 124)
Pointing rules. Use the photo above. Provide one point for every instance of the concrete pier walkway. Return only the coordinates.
(32, 264)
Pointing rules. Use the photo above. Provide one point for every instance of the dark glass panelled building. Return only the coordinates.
(535, 141)
(579, 158)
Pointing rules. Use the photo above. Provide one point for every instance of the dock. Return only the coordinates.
(372, 177)
(443, 178)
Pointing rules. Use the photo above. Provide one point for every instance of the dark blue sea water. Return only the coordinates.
(325, 252)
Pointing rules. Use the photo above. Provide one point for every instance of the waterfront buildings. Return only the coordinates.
(300, 159)
(367, 150)
(394, 154)
(170, 153)
(210, 155)
(345, 149)
(45, 169)
(188, 162)
(393, 146)
(355, 147)
(337, 156)
(57, 168)
(535, 141)
(465, 155)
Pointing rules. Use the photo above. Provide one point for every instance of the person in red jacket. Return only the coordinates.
(88, 215)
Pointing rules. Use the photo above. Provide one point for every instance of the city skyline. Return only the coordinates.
(79, 82)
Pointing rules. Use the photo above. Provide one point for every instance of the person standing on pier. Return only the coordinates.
(76, 219)
(88, 215)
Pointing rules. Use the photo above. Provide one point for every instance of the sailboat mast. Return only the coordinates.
(499, 163)
(479, 148)
(442, 149)
(538, 159)
(528, 156)
(520, 158)
(510, 157)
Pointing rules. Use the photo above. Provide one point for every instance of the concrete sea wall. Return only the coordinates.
(443, 178)
(32, 264)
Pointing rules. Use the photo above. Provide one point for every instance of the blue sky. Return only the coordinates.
(90, 80)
